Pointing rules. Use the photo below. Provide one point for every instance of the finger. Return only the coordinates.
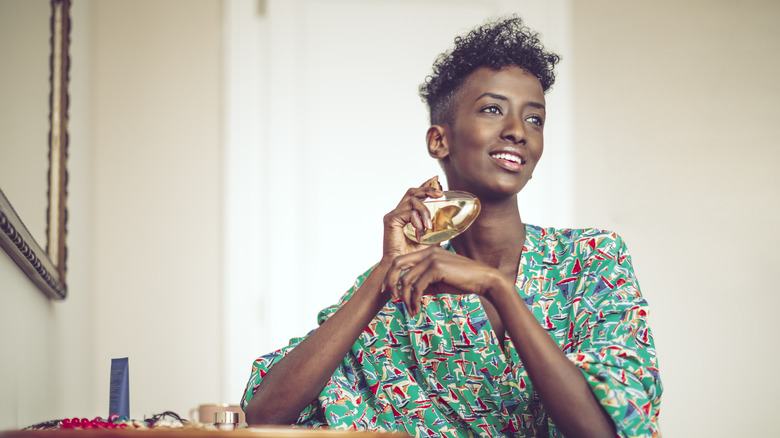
(399, 218)
(433, 282)
(421, 194)
(406, 294)
(408, 284)
(417, 223)
(432, 182)
(390, 282)
(433, 276)
(392, 277)
(423, 212)
(397, 270)
(402, 263)
(412, 295)
(402, 214)
(429, 189)
(426, 275)
(432, 188)
(412, 193)
(418, 290)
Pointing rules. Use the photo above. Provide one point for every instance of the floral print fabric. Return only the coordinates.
(443, 372)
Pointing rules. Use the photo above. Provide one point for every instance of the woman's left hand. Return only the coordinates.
(435, 271)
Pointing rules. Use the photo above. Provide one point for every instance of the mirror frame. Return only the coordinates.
(46, 269)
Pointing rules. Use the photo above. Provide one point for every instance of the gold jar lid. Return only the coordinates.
(225, 417)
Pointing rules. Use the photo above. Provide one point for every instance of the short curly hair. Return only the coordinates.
(495, 44)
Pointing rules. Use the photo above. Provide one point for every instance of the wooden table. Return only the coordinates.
(264, 432)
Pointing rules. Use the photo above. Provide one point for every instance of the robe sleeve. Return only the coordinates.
(260, 367)
(313, 414)
(615, 350)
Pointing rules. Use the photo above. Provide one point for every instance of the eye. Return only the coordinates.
(536, 120)
(492, 109)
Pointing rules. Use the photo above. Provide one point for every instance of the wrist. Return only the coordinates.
(499, 287)
(371, 288)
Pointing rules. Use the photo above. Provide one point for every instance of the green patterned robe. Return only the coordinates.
(443, 373)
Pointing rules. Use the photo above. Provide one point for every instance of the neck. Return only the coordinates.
(496, 238)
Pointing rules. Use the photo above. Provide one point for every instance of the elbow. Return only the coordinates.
(264, 419)
(265, 413)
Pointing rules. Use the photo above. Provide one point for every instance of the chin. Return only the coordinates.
(498, 193)
(511, 187)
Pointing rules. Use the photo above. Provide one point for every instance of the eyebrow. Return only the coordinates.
(502, 97)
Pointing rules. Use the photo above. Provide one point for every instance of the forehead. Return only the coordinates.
(513, 82)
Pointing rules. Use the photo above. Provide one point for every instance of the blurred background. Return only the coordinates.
(230, 162)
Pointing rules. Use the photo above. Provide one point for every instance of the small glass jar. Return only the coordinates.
(225, 420)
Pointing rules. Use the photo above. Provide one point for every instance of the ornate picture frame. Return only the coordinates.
(47, 268)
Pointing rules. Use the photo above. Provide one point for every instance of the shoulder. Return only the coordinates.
(573, 234)
(596, 260)
(581, 242)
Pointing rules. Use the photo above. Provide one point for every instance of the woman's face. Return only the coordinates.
(495, 141)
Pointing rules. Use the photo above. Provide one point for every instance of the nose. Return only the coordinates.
(514, 130)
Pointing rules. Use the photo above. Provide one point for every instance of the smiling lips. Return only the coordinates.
(508, 160)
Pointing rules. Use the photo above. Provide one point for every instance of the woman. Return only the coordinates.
(508, 330)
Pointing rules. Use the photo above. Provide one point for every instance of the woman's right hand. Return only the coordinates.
(410, 210)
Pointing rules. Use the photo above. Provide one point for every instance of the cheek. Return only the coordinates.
(538, 149)
(464, 149)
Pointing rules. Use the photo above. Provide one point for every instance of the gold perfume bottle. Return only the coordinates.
(451, 215)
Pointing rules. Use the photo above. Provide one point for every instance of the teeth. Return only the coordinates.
(508, 157)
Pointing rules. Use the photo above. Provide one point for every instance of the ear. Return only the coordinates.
(437, 142)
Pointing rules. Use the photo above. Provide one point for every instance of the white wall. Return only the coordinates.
(144, 223)
(26, 343)
(676, 149)
(157, 102)
(46, 348)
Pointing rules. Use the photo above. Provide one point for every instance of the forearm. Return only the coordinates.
(293, 382)
(562, 388)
